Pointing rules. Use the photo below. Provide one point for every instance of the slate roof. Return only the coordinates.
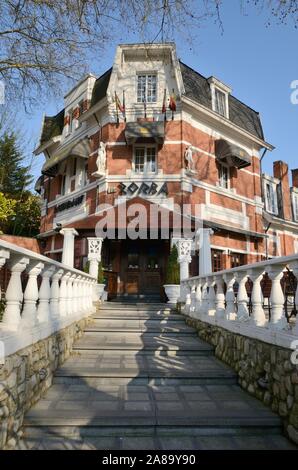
(198, 89)
(100, 87)
(52, 126)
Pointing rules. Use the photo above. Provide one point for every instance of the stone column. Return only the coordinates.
(94, 255)
(68, 246)
(14, 293)
(184, 258)
(205, 263)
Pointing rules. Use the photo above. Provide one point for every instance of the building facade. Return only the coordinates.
(153, 133)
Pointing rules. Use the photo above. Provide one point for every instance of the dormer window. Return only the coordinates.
(220, 104)
(147, 87)
(220, 97)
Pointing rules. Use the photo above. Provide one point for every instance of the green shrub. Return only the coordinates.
(100, 277)
(173, 269)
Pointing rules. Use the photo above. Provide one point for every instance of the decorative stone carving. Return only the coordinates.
(94, 255)
(101, 160)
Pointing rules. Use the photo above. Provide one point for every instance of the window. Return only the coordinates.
(271, 197)
(145, 160)
(223, 176)
(146, 88)
(216, 260)
(220, 102)
(295, 205)
(72, 174)
(237, 259)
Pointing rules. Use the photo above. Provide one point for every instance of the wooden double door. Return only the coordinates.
(142, 267)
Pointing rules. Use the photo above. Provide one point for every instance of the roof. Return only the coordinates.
(52, 126)
(198, 89)
(100, 87)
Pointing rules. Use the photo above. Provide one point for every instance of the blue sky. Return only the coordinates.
(258, 62)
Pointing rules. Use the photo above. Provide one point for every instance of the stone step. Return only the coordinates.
(139, 341)
(139, 325)
(92, 404)
(154, 438)
(146, 366)
(137, 315)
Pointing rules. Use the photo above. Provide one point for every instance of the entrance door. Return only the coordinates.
(142, 267)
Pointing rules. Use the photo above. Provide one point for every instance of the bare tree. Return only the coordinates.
(44, 43)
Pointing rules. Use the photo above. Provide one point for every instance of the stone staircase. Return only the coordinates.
(140, 378)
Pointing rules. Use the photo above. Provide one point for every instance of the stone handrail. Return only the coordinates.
(36, 310)
(212, 298)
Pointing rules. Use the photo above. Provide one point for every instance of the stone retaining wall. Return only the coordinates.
(264, 370)
(27, 374)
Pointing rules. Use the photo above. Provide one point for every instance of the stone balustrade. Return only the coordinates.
(235, 300)
(49, 298)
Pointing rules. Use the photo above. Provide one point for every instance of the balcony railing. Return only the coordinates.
(257, 300)
(39, 296)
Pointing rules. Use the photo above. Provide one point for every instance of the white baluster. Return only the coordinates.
(14, 293)
(192, 299)
(211, 297)
(204, 301)
(198, 298)
(54, 295)
(4, 256)
(43, 309)
(29, 314)
(242, 297)
(81, 294)
(63, 295)
(86, 303)
(294, 267)
(220, 300)
(230, 297)
(277, 299)
(258, 315)
(76, 294)
(70, 294)
(187, 293)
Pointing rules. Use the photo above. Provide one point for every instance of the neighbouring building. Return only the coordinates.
(153, 131)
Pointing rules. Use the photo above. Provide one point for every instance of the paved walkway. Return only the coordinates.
(140, 378)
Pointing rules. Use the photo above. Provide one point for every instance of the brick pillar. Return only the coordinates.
(226, 260)
(280, 171)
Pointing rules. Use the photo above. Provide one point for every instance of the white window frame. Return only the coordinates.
(294, 194)
(217, 85)
(220, 166)
(273, 208)
(145, 147)
(146, 74)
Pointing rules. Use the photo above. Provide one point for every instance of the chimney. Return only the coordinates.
(281, 172)
(295, 178)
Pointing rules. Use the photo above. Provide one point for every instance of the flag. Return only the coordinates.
(172, 103)
(163, 109)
